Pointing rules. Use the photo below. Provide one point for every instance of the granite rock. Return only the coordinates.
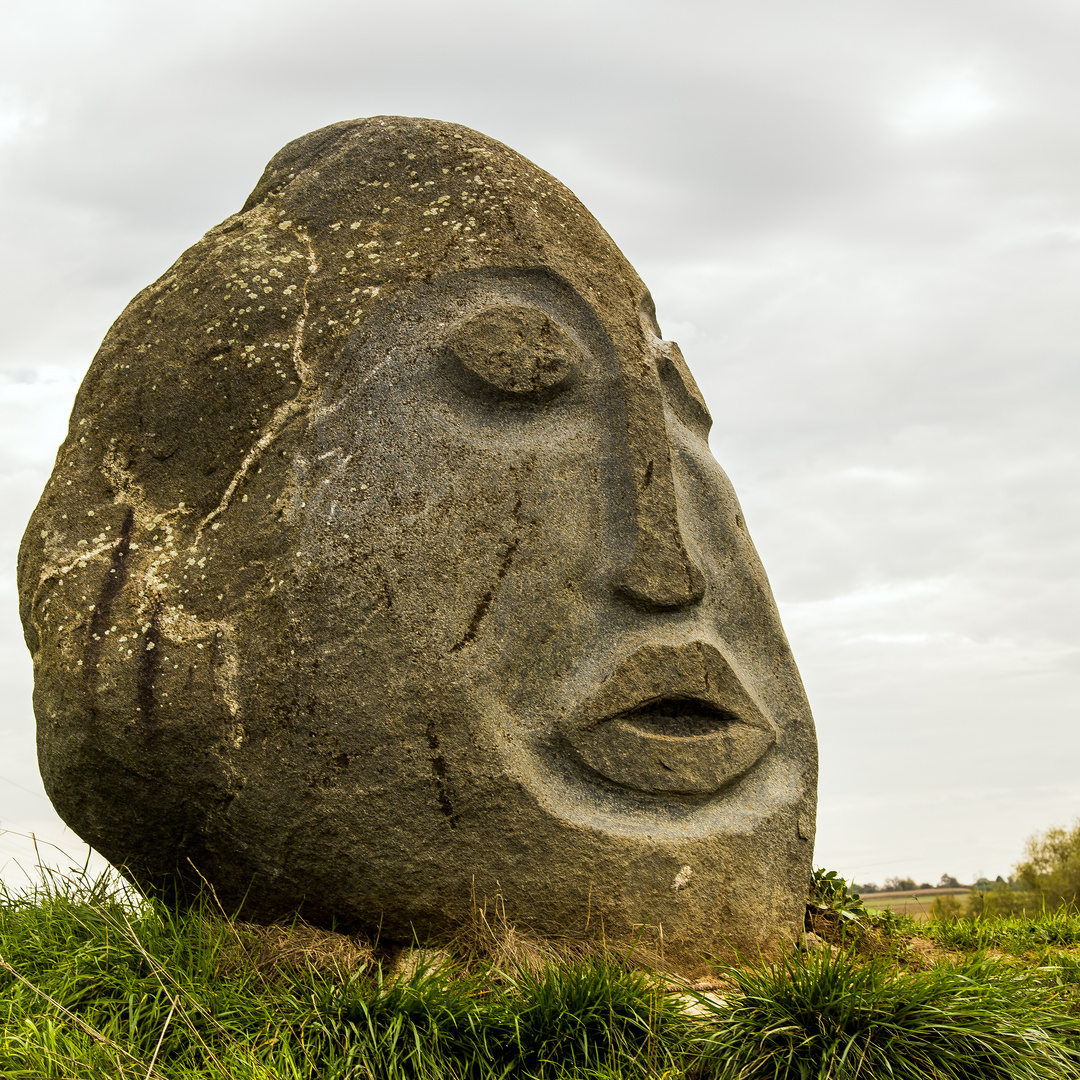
(386, 573)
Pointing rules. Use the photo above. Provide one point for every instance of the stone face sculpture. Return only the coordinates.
(385, 571)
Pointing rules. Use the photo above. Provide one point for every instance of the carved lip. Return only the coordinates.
(671, 719)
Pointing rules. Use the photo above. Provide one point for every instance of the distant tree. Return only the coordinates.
(1002, 898)
(984, 884)
(1052, 865)
(925, 885)
(948, 882)
(869, 887)
(893, 884)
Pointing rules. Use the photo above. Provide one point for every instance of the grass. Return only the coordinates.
(96, 983)
(1008, 933)
(829, 1016)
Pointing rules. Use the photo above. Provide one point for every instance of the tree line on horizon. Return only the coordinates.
(898, 884)
(1048, 876)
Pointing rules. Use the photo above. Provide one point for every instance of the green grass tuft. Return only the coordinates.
(837, 1017)
(1008, 933)
(97, 982)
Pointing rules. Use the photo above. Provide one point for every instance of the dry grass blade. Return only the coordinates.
(158, 971)
(161, 1039)
(502, 947)
(284, 950)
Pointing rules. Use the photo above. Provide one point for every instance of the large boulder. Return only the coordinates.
(385, 573)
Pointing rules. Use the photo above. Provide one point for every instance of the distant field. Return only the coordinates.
(915, 903)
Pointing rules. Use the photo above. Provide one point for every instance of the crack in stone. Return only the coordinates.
(283, 411)
(79, 560)
(99, 623)
(149, 664)
(438, 771)
(485, 601)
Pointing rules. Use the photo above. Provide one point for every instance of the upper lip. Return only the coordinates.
(671, 718)
(692, 671)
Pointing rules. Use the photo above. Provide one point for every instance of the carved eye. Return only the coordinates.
(518, 350)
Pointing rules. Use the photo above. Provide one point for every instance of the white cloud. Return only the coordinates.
(16, 121)
(947, 102)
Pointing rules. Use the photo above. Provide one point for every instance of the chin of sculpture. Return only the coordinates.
(386, 573)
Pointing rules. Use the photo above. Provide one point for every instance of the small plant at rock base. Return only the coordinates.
(830, 894)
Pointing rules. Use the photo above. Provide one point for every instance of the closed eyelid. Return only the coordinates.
(516, 349)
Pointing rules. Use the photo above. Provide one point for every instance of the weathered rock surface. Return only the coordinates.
(386, 571)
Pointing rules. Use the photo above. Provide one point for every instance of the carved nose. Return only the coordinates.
(661, 572)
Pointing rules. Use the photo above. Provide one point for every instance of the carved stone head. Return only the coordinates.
(386, 570)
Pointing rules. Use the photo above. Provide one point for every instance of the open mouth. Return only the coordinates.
(672, 719)
(682, 718)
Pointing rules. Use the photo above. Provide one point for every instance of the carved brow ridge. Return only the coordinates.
(672, 365)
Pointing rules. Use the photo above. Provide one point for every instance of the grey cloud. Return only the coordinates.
(883, 321)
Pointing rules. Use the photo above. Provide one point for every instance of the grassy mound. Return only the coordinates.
(95, 982)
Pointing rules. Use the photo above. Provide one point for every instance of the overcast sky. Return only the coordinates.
(861, 221)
